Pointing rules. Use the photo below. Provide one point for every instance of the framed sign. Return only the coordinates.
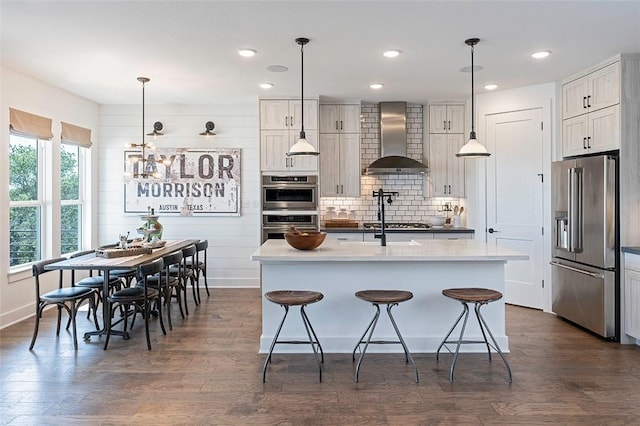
(183, 182)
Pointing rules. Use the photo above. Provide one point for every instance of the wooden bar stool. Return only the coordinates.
(479, 297)
(382, 297)
(286, 299)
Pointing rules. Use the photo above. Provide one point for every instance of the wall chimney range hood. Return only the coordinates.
(393, 143)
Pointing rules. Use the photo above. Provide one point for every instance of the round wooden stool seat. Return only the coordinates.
(473, 295)
(384, 296)
(294, 297)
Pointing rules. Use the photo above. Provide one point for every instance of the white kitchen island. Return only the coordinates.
(339, 269)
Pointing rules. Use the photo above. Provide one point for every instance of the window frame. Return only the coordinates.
(82, 195)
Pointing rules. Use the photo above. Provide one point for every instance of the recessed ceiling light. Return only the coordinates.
(392, 53)
(541, 54)
(266, 85)
(491, 86)
(376, 86)
(247, 53)
(277, 68)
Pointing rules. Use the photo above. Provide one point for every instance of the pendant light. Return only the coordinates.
(302, 147)
(473, 148)
(144, 161)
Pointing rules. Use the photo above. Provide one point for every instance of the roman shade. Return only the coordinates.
(76, 135)
(27, 124)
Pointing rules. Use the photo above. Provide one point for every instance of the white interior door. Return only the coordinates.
(515, 200)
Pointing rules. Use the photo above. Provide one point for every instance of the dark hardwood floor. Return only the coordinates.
(207, 371)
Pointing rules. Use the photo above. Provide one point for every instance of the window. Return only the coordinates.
(71, 202)
(26, 200)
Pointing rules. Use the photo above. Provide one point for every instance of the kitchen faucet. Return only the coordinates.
(381, 194)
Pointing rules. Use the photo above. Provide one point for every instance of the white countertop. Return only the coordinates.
(414, 251)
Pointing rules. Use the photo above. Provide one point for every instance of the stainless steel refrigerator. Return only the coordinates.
(585, 243)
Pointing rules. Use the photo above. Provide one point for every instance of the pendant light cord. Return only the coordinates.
(473, 109)
(302, 135)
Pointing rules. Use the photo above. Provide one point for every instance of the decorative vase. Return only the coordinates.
(151, 228)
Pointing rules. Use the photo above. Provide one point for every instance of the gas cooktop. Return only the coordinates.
(397, 225)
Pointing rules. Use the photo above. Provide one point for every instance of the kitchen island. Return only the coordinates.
(339, 269)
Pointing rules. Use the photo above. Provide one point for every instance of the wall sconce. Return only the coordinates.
(157, 126)
(209, 126)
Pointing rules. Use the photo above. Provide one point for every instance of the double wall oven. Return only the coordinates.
(286, 201)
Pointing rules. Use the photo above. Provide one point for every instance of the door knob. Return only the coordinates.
(491, 230)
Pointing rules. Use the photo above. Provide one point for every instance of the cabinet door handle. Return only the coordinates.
(337, 190)
(342, 189)
(449, 189)
(588, 141)
(445, 124)
(584, 143)
(445, 189)
(449, 125)
(336, 124)
(584, 102)
(589, 101)
(340, 124)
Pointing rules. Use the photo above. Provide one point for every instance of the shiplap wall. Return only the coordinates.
(231, 238)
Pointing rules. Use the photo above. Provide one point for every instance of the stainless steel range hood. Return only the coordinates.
(393, 143)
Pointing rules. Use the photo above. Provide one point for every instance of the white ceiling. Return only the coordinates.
(97, 49)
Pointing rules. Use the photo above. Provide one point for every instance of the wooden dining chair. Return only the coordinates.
(95, 282)
(200, 265)
(141, 297)
(186, 273)
(68, 298)
(168, 285)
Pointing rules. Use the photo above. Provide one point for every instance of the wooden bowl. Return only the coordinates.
(306, 241)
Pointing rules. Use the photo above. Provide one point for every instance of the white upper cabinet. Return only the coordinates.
(340, 165)
(280, 125)
(340, 150)
(287, 113)
(446, 118)
(340, 118)
(446, 171)
(591, 112)
(596, 90)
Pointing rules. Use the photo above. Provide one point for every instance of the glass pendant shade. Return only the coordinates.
(302, 147)
(473, 149)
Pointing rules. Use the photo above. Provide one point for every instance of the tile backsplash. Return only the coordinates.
(412, 203)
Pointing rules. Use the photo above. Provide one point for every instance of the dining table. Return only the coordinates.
(94, 262)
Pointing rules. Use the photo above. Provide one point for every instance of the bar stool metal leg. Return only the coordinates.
(273, 343)
(311, 334)
(309, 328)
(407, 354)
(496, 346)
(484, 329)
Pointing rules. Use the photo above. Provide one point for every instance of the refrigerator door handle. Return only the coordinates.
(575, 210)
(582, 271)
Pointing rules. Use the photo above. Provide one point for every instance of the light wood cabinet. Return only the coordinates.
(286, 114)
(597, 131)
(446, 118)
(446, 171)
(591, 117)
(274, 145)
(340, 150)
(338, 118)
(280, 125)
(340, 165)
(595, 90)
(632, 295)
